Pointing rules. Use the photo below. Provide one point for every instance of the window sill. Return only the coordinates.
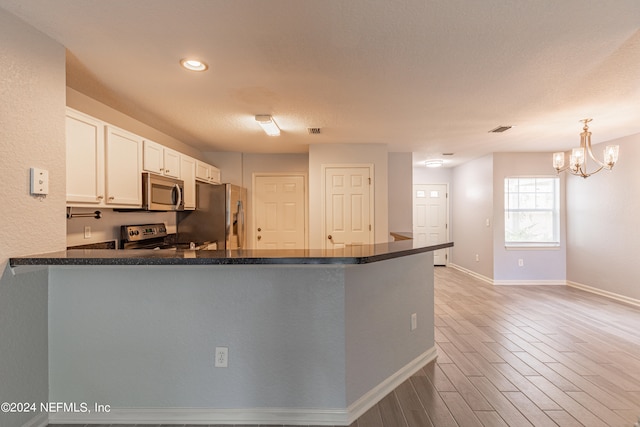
(532, 246)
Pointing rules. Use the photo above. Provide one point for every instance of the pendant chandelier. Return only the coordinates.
(578, 159)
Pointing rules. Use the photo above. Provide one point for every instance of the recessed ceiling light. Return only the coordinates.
(434, 163)
(193, 64)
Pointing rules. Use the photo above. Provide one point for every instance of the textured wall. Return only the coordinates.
(146, 336)
(400, 192)
(472, 205)
(539, 264)
(378, 312)
(603, 240)
(32, 90)
(90, 106)
(375, 154)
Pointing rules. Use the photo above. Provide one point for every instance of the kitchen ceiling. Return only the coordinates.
(421, 76)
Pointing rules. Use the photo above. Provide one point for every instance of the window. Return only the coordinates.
(532, 211)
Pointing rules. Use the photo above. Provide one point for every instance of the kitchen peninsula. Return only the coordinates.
(313, 336)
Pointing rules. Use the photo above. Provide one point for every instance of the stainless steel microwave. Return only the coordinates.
(160, 193)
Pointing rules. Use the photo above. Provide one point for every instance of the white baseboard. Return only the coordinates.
(254, 416)
(40, 420)
(472, 273)
(530, 282)
(373, 396)
(509, 282)
(611, 295)
(587, 288)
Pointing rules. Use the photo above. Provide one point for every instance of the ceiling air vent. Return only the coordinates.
(313, 131)
(500, 129)
(447, 154)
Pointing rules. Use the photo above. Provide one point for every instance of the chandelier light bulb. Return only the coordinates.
(579, 156)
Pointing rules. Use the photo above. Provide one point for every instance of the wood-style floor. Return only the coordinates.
(520, 356)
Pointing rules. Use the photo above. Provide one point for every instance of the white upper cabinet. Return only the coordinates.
(171, 163)
(153, 155)
(123, 166)
(188, 175)
(161, 160)
(85, 159)
(105, 164)
(207, 173)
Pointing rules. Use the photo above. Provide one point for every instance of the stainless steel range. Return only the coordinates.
(145, 236)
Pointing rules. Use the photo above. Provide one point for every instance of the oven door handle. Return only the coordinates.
(179, 198)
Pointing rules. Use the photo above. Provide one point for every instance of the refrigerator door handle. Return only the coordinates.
(240, 221)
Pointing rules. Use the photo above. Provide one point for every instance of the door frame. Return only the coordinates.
(305, 181)
(448, 229)
(323, 191)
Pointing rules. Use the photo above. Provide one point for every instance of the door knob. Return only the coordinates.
(259, 237)
(329, 237)
(259, 229)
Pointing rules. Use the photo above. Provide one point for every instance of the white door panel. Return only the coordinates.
(430, 213)
(348, 212)
(280, 212)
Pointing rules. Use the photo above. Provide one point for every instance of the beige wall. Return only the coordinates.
(472, 205)
(90, 106)
(32, 134)
(400, 192)
(239, 168)
(602, 224)
(375, 154)
(541, 265)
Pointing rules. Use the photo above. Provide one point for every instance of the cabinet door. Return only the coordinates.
(123, 168)
(85, 159)
(171, 163)
(188, 175)
(214, 175)
(202, 171)
(153, 160)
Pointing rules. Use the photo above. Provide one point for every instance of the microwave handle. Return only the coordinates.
(179, 200)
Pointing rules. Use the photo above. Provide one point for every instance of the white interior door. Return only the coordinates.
(348, 206)
(430, 213)
(280, 212)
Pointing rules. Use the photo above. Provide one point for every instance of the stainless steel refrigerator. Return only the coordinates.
(219, 217)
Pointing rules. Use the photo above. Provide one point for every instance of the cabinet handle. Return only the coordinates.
(100, 197)
(166, 170)
(111, 198)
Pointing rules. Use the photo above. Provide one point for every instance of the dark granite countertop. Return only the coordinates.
(350, 255)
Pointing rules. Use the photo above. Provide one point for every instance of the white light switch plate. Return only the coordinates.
(39, 181)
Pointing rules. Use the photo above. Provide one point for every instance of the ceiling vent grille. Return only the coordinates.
(313, 131)
(500, 129)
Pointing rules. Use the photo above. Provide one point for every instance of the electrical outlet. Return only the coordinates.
(414, 321)
(520, 262)
(222, 357)
(477, 258)
(87, 232)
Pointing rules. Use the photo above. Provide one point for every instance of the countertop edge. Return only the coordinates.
(183, 258)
